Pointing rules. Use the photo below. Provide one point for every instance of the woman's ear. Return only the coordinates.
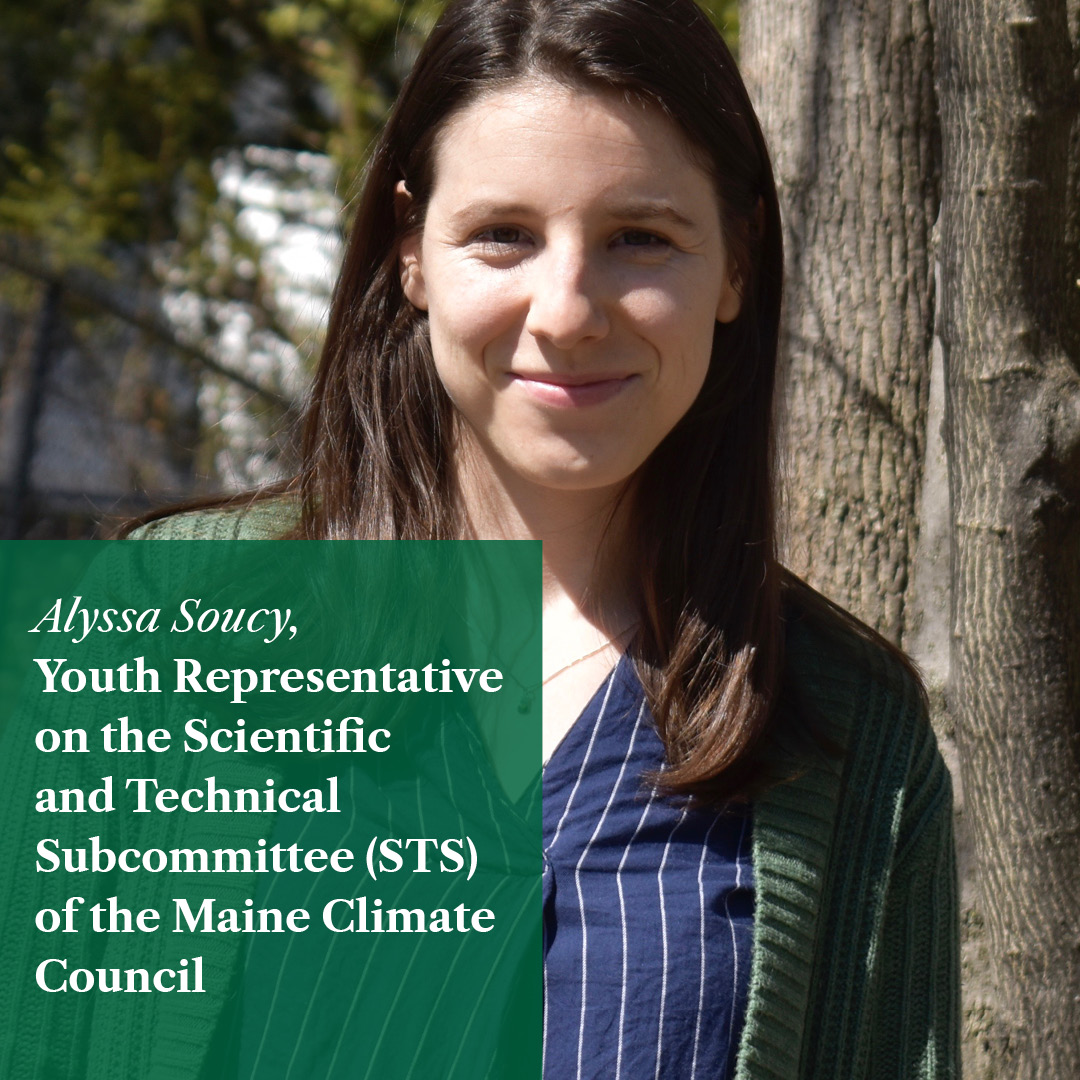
(730, 303)
(409, 262)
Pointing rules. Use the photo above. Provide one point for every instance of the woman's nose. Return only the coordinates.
(565, 305)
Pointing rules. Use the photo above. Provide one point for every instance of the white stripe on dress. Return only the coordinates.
(731, 923)
(555, 837)
(663, 938)
(288, 948)
(577, 884)
(622, 918)
(585, 759)
(701, 936)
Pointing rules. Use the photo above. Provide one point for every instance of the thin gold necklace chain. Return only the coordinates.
(528, 692)
(585, 656)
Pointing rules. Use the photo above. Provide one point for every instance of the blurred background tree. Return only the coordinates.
(174, 179)
(169, 223)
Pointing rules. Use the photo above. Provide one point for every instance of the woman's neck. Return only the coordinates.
(589, 608)
(583, 532)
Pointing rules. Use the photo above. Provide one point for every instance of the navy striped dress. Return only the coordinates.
(648, 908)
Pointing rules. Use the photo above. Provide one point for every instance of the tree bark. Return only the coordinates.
(845, 93)
(1010, 327)
(845, 96)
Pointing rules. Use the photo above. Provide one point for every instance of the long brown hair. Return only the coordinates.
(377, 439)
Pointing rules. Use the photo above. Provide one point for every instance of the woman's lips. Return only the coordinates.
(572, 391)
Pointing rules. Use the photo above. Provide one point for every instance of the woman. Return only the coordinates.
(558, 319)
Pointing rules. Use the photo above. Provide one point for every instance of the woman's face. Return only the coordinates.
(573, 268)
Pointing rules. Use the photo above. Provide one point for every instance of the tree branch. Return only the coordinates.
(138, 310)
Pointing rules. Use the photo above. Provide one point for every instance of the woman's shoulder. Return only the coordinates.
(866, 706)
(259, 518)
(845, 675)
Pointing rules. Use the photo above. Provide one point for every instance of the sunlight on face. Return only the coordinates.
(573, 267)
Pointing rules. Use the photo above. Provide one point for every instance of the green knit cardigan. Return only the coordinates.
(856, 942)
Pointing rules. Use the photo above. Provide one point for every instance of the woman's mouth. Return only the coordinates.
(572, 391)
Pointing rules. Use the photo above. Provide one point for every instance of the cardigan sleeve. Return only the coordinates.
(916, 1026)
(881, 994)
(266, 519)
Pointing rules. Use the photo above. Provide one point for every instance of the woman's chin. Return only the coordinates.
(575, 479)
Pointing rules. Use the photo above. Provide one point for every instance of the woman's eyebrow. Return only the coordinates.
(651, 210)
(484, 209)
(636, 210)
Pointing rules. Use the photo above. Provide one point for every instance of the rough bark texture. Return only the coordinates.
(1010, 320)
(845, 93)
(950, 518)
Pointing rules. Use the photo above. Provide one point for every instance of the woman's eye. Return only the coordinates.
(642, 239)
(501, 236)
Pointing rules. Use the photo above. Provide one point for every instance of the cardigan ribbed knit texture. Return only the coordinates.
(855, 953)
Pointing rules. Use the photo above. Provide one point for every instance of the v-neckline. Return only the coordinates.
(571, 735)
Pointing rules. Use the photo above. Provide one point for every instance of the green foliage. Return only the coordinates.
(115, 110)
(119, 123)
(725, 15)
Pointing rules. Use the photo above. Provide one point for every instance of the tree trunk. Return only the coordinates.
(1010, 323)
(846, 97)
(30, 412)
